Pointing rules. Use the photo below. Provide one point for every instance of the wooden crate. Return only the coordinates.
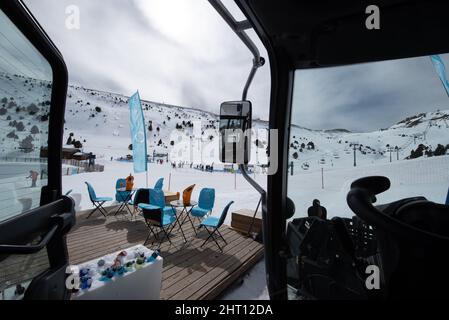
(241, 221)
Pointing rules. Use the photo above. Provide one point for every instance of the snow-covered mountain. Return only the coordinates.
(425, 134)
(100, 122)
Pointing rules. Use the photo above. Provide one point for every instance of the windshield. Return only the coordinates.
(386, 118)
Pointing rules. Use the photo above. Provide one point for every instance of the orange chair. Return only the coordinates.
(187, 194)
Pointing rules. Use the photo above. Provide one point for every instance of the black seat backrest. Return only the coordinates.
(426, 215)
(343, 236)
(142, 196)
(153, 216)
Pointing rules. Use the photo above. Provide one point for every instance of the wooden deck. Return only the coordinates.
(189, 271)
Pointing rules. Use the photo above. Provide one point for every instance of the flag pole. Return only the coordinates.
(147, 174)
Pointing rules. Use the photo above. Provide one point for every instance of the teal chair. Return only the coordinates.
(156, 214)
(97, 201)
(205, 205)
(213, 224)
(159, 184)
(121, 196)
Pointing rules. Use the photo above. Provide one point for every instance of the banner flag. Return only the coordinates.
(441, 70)
(138, 133)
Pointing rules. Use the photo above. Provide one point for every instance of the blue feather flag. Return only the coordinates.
(138, 133)
(441, 70)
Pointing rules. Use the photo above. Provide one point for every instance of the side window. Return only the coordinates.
(25, 95)
(386, 118)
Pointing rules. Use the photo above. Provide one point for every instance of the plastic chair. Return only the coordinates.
(155, 215)
(159, 184)
(205, 205)
(97, 201)
(187, 194)
(121, 196)
(212, 224)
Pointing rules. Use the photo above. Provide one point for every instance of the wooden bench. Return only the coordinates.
(241, 221)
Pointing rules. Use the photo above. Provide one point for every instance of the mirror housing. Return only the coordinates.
(235, 132)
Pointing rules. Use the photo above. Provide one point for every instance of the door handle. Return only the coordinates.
(28, 249)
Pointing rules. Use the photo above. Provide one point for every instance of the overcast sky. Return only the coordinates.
(181, 52)
(369, 96)
(173, 51)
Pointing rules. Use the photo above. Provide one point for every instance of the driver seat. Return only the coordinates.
(414, 259)
(421, 266)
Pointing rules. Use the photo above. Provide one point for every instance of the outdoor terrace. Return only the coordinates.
(189, 271)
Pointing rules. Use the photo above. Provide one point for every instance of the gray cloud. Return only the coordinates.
(176, 51)
(181, 52)
(367, 96)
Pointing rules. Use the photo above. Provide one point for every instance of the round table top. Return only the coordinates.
(124, 189)
(180, 203)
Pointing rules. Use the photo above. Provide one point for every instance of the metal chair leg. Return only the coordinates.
(211, 235)
(98, 206)
(150, 233)
(103, 210)
(218, 231)
(166, 235)
(91, 213)
(193, 226)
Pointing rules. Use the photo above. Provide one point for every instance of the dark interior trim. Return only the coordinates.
(274, 222)
(26, 23)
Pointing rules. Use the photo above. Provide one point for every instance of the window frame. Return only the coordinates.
(28, 25)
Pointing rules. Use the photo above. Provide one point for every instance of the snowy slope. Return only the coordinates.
(23, 115)
(335, 149)
(100, 120)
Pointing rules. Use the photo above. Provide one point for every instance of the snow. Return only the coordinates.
(228, 187)
(253, 286)
(428, 177)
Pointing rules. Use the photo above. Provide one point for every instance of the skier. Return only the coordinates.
(316, 210)
(91, 158)
(33, 175)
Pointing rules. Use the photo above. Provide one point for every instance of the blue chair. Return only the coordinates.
(205, 205)
(156, 215)
(121, 196)
(141, 196)
(159, 184)
(97, 201)
(212, 224)
(157, 198)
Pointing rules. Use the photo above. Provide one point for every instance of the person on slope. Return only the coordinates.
(316, 210)
(33, 175)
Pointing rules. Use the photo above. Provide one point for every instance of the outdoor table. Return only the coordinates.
(170, 196)
(125, 203)
(140, 282)
(180, 204)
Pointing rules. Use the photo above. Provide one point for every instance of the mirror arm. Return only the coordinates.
(258, 62)
(239, 29)
(251, 181)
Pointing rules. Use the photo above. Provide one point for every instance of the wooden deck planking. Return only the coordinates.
(189, 271)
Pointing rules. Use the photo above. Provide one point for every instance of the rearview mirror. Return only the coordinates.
(235, 132)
